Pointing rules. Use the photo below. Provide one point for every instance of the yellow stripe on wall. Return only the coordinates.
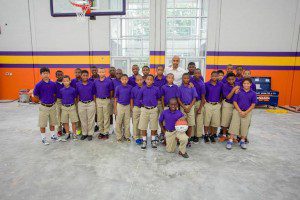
(154, 59)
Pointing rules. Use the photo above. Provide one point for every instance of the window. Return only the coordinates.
(186, 31)
(129, 36)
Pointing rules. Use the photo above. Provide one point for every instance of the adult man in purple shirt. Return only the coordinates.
(77, 78)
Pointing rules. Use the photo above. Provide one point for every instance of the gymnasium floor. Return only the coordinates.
(268, 169)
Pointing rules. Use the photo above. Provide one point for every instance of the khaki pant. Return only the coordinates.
(87, 117)
(199, 121)
(47, 114)
(136, 113)
(111, 107)
(239, 124)
(227, 110)
(103, 115)
(159, 107)
(190, 117)
(212, 115)
(69, 113)
(58, 111)
(171, 142)
(123, 119)
(148, 116)
(78, 124)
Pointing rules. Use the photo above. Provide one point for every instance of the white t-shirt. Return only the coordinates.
(177, 74)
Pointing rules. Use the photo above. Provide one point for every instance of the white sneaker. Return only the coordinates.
(45, 142)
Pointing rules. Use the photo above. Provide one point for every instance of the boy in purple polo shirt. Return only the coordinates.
(146, 72)
(136, 104)
(112, 76)
(85, 90)
(228, 90)
(104, 91)
(77, 78)
(135, 71)
(169, 91)
(117, 80)
(187, 98)
(112, 73)
(59, 77)
(167, 121)
(68, 108)
(122, 109)
(247, 74)
(220, 75)
(199, 110)
(94, 72)
(244, 102)
(46, 91)
(239, 74)
(148, 96)
(212, 106)
(229, 69)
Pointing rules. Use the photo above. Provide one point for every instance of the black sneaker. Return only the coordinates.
(89, 137)
(96, 128)
(196, 140)
(212, 138)
(205, 138)
(189, 144)
(192, 138)
(183, 155)
(83, 137)
(144, 145)
(154, 144)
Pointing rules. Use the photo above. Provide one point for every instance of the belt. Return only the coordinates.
(103, 98)
(47, 105)
(68, 105)
(228, 101)
(186, 104)
(170, 130)
(86, 101)
(213, 103)
(149, 108)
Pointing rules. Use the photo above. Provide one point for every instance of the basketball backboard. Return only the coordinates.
(63, 8)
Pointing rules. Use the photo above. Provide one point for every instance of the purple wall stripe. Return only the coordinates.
(241, 53)
(257, 67)
(155, 65)
(54, 53)
(157, 53)
(52, 65)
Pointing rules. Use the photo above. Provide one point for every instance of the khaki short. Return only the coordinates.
(190, 117)
(171, 141)
(47, 114)
(148, 116)
(239, 124)
(212, 115)
(136, 113)
(69, 113)
(227, 109)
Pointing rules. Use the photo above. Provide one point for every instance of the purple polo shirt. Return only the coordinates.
(103, 88)
(123, 93)
(46, 92)
(116, 82)
(226, 89)
(200, 87)
(149, 96)
(160, 82)
(245, 99)
(134, 95)
(213, 92)
(85, 92)
(74, 81)
(68, 95)
(170, 118)
(131, 81)
(253, 86)
(201, 77)
(187, 94)
(58, 86)
(169, 92)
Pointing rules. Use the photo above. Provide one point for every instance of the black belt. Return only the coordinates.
(68, 105)
(103, 98)
(47, 105)
(213, 103)
(228, 101)
(186, 104)
(170, 130)
(85, 102)
(149, 108)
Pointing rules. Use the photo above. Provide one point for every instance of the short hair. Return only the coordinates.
(247, 79)
(124, 75)
(135, 65)
(112, 67)
(191, 63)
(138, 76)
(44, 69)
(78, 69)
(101, 68)
(173, 99)
(185, 74)
(198, 69)
(145, 66)
(213, 72)
(160, 66)
(220, 71)
(170, 74)
(84, 72)
(67, 76)
(150, 75)
(229, 65)
(240, 67)
(230, 74)
(58, 71)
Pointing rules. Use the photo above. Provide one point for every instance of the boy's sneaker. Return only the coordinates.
(119, 140)
(59, 133)
(196, 140)
(189, 144)
(78, 132)
(206, 138)
(74, 136)
(67, 136)
(127, 140)
(83, 137)
(185, 155)
(105, 137)
(54, 137)
(222, 138)
(138, 141)
(144, 145)
(229, 145)
(192, 138)
(64, 131)
(212, 138)
(243, 145)
(100, 136)
(45, 142)
(89, 137)
(96, 128)
(154, 144)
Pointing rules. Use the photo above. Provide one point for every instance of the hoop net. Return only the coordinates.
(85, 8)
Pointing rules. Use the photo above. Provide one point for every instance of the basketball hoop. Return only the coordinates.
(85, 8)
